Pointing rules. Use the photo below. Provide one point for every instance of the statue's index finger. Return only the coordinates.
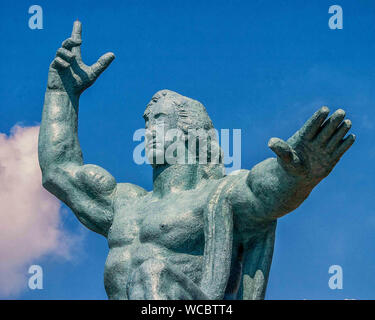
(77, 30)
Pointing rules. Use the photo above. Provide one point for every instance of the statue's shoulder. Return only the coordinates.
(239, 173)
(229, 184)
(237, 176)
(237, 183)
(127, 191)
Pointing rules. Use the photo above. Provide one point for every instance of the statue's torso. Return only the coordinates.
(169, 229)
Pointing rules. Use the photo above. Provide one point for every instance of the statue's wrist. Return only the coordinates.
(55, 86)
(62, 98)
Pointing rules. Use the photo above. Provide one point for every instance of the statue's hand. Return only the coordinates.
(68, 72)
(313, 151)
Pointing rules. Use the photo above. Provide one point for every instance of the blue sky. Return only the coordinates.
(261, 66)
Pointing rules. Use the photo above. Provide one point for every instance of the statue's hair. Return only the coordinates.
(191, 115)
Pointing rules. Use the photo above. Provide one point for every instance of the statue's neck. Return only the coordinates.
(175, 178)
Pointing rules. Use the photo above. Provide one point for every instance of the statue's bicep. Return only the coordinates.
(88, 190)
(91, 197)
(95, 180)
(247, 208)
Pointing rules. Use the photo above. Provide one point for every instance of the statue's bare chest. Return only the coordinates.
(174, 222)
(176, 225)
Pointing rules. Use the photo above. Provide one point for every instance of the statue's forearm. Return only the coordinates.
(58, 138)
(277, 190)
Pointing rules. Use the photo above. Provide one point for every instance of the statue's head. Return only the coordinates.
(178, 127)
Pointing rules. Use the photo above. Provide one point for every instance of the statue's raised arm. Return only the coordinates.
(86, 189)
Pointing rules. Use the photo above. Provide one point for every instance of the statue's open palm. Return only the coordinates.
(68, 72)
(314, 150)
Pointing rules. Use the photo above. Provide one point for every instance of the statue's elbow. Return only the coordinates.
(52, 180)
(48, 181)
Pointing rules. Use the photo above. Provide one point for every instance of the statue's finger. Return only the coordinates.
(282, 149)
(339, 135)
(77, 36)
(59, 64)
(343, 147)
(77, 30)
(329, 126)
(102, 64)
(71, 43)
(311, 127)
(65, 54)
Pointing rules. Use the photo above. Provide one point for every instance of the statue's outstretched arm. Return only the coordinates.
(86, 189)
(279, 185)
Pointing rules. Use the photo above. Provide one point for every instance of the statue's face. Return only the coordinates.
(161, 118)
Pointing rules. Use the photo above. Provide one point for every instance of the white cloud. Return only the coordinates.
(30, 224)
